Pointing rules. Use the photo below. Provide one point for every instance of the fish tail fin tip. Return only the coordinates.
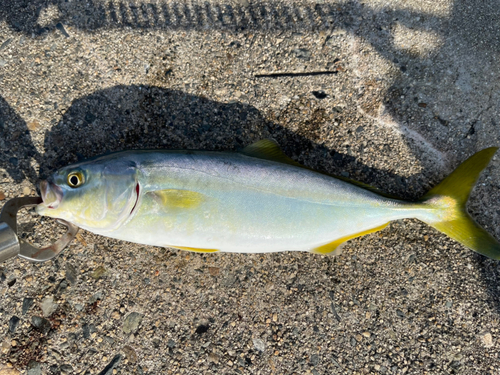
(450, 198)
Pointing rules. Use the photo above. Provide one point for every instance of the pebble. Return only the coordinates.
(5, 347)
(366, 334)
(314, 359)
(2, 195)
(27, 303)
(259, 345)
(41, 324)
(96, 296)
(13, 323)
(34, 368)
(487, 340)
(302, 53)
(171, 343)
(132, 322)
(48, 306)
(212, 357)
(71, 273)
(98, 273)
(66, 368)
(33, 125)
(130, 353)
(26, 190)
(214, 271)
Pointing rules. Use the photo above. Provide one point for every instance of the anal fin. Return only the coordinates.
(194, 249)
(330, 248)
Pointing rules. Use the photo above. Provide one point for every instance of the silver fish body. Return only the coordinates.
(223, 201)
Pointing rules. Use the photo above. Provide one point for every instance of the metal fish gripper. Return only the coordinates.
(11, 245)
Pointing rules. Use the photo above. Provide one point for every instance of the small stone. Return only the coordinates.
(366, 334)
(212, 357)
(87, 329)
(96, 296)
(33, 125)
(66, 368)
(41, 324)
(132, 322)
(214, 271)
(314, 359)
(115, 315)
(48, 306)
(171, 344)
(487, 340)
(26, 190)
(377, 367)
(259, 345)
(302, 53)
(27, 303)
(13, 323)
(130, 353)
(2, 195)
(34, 368)
(98, 273)
(5, 347)
(71, 273)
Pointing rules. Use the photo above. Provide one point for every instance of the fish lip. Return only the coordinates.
(51, 194)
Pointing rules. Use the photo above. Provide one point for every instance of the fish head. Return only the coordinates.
(97, 195)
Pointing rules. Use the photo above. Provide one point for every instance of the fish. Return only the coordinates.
(256, 200)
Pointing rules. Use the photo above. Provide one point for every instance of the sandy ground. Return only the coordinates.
(406, 90)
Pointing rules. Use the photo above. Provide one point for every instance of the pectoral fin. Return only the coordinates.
(329, 248)
(175, 198)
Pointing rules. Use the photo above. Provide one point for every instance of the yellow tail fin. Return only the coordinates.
(450, 199)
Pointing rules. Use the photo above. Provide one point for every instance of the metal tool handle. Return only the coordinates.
(11, 245)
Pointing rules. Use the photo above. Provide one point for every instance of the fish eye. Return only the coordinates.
(75, 179)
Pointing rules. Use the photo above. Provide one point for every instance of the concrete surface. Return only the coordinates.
(410, 89)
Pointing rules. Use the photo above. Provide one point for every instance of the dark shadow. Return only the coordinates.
(16, 146)
(148, 117)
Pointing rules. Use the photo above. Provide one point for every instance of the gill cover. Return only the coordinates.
(106, 193)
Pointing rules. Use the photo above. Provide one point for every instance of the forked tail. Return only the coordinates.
(449, 198)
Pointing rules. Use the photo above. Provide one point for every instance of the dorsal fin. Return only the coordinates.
(270, 150)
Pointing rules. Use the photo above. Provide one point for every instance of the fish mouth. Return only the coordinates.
(51, 194)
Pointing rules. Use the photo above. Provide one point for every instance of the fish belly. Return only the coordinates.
(248, 207)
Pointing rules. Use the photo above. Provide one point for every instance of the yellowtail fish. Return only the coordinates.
(253, 201)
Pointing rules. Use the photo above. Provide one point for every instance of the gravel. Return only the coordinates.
(401, 92)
